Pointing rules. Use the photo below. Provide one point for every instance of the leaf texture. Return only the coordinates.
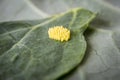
(26, 52)
(103, 50)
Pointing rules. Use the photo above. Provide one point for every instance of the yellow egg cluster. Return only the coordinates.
(59, 33)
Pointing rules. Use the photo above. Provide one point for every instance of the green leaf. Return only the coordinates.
(12, 32)
(26, 52)
(103, 53)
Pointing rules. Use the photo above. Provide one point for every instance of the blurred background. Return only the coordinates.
(22, 10)
(16, 10)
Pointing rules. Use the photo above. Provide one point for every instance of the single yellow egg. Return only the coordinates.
(59, 33)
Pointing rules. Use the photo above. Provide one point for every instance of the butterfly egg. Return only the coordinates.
(59, 33)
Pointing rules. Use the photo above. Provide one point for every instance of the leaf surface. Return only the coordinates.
(27, 53)
(103, 56)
